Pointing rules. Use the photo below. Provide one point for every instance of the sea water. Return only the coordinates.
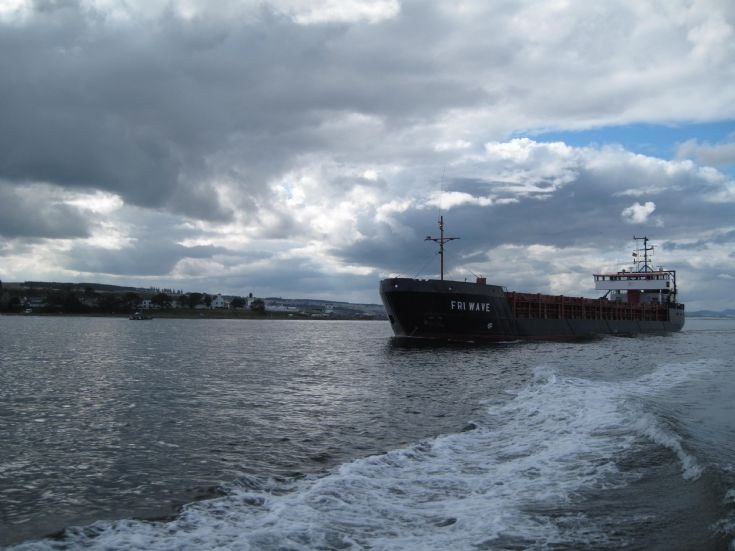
(230, 434)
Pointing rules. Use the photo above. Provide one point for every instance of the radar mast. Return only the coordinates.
(642, 265)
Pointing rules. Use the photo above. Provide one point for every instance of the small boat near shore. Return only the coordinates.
(139, 316)
(639, 300)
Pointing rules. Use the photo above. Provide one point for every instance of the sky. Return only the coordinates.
(306, 148)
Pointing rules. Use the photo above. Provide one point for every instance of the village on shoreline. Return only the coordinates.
(54, 298)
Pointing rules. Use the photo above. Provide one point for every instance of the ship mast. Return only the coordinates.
(441, 240)
(645, 249)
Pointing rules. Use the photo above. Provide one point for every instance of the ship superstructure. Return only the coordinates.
(642, 284)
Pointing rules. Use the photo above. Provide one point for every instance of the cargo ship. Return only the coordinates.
(642, 299)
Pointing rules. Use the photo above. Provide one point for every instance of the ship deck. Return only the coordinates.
(538, 306)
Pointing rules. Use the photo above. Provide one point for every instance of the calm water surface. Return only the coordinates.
(299, 435)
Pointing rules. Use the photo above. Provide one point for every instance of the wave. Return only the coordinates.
(506, 482)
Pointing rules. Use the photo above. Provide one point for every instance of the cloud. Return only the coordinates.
(341, 11)
(38, 211)
(169, 104)
(453, 199)
(575, 201)
(722, 154)
(170, 111)
(151, 258)
(638, 213)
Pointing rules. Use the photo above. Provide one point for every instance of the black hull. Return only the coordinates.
(461, 311)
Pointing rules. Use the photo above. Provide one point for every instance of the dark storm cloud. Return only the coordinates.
(34, 212)
(160, 111)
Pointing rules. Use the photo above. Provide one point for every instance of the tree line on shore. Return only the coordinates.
(76, 299)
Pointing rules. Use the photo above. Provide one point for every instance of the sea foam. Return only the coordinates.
(495, 485)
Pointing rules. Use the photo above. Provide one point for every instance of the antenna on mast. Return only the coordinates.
(441, 240)
(645, 249)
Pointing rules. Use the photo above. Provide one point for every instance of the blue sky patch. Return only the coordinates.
(656, 140)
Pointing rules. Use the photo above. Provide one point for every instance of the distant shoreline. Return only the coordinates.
(207, 314)
(710, 317)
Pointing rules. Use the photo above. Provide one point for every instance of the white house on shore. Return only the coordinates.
(219, 303)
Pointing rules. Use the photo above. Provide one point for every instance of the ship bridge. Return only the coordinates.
(636, 281)
(655, 287)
